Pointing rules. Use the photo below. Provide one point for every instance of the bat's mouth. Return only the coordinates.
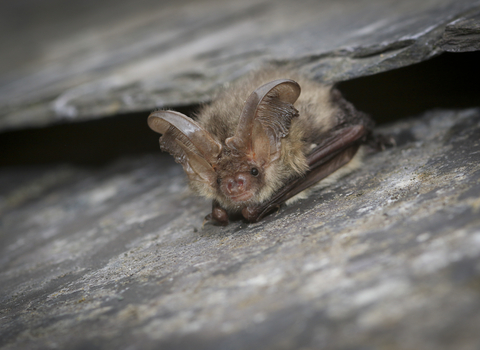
(245, 196)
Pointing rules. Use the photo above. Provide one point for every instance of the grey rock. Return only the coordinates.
(388, 257)
(81, 60)
(463, 34)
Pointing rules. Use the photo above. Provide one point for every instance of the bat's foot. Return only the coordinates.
(218, 217)
(255, 214)
(250, 214)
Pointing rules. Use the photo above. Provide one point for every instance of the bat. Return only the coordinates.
(251, 152)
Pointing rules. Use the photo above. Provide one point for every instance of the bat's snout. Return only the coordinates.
(237, 187)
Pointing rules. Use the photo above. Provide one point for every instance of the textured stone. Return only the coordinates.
(463, 34)
(388, 257)
(70, 61)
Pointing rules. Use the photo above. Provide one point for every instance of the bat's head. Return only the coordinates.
(239, 170)
(242, 179)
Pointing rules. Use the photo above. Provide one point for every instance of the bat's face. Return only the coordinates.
(239, 180)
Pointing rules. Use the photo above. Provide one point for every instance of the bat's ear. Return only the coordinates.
(190, 144)
(265, 119)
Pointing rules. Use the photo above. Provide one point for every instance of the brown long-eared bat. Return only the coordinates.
(253, 151)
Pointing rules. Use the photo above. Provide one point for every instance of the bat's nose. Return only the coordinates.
(235, 185)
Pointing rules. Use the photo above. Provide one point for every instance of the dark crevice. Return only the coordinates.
(448, 81)
(89, 143)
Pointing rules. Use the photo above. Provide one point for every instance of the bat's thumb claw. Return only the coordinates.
(206, 220)
(219, 220)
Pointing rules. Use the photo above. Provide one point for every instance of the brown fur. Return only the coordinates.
(220, 159)
(316, 117)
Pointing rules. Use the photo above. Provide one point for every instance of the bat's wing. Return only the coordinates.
(333, 153)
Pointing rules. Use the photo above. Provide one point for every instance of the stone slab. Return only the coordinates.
(78, 60)
(386, 258)
(463, 34)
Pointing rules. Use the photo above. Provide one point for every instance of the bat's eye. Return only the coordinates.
(254, 171)
(219, 180)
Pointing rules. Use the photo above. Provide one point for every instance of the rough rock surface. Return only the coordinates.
(85, 59)
(463, 34)
(115, 258)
